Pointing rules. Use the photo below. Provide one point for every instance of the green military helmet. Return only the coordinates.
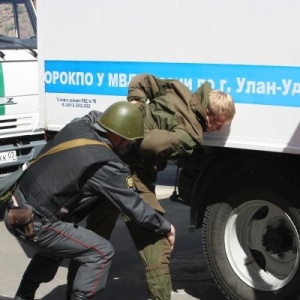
(124, 119)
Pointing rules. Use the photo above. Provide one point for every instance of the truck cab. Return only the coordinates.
(21, 137)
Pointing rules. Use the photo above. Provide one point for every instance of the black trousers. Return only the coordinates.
(56, 241)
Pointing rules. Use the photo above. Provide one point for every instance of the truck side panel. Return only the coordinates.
(192, 41)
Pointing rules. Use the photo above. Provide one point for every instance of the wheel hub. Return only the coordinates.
(278, 240)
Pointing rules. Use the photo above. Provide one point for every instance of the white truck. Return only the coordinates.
(21, 138)
(243, 186)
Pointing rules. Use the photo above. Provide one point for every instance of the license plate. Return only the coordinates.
(7, 157)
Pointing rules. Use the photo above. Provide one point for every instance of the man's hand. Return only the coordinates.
(171, 237)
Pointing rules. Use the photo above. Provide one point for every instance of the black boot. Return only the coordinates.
(26, 290)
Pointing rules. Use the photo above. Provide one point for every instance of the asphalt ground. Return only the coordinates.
(190, 277)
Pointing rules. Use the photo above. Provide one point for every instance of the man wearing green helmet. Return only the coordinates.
(61, 188)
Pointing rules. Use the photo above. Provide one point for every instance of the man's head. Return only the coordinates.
(220, 110)
(123, 122)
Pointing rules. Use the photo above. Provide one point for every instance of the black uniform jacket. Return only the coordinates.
(57, 185)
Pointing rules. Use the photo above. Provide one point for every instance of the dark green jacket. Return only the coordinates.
(174, 117)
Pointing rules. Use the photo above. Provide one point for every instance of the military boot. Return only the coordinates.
(26, 290)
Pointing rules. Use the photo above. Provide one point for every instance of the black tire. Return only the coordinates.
(251, 237)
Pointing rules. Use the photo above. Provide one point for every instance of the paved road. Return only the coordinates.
(190, 277)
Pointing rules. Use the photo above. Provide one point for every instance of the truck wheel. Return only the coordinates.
(251, 237)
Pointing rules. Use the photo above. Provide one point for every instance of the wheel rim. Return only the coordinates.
(262, 245)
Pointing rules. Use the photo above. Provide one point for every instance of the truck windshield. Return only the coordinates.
(17, 25)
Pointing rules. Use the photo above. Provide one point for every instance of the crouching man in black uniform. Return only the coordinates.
(64, 185)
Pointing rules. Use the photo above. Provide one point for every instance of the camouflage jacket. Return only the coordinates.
(174, 117)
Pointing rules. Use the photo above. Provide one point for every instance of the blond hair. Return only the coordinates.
(221, 103)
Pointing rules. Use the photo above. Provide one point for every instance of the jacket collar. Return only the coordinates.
(199, 103)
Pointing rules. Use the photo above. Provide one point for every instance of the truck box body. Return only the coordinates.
(238, 49)
(243, 185)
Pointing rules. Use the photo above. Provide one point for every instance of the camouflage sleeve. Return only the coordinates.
(167, 143)
(143, 87)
